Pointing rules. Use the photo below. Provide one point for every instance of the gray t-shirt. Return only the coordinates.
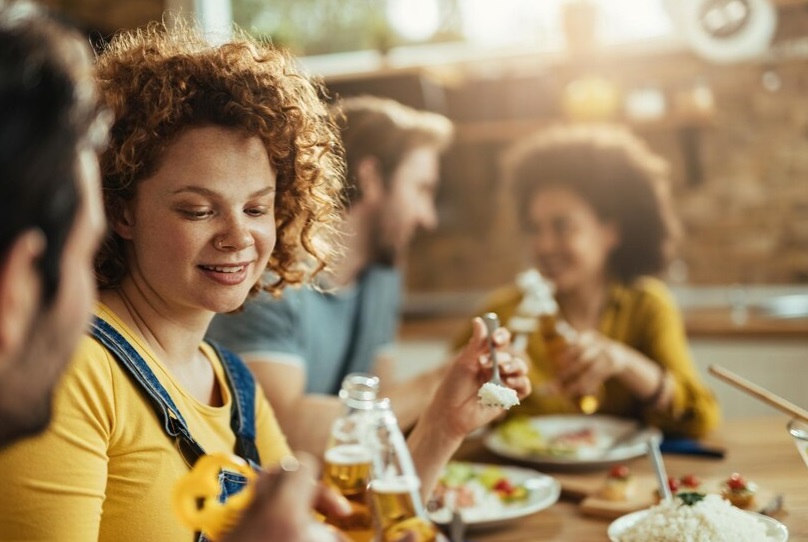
(315, 330)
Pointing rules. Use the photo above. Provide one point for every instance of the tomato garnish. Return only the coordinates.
(690, 480)
(503, 485)
(736, 481)
(619, 471)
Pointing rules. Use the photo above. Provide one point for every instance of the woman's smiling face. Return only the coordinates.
(200, 231)
(570, 244)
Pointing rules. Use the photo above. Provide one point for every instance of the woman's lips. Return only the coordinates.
(228, 275)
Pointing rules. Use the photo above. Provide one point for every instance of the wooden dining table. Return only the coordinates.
(759, 448)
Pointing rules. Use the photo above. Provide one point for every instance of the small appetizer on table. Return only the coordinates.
(738, 491)
(619, 484)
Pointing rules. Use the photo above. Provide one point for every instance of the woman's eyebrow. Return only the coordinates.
(194, 190)
(263, 192)
(211, 193)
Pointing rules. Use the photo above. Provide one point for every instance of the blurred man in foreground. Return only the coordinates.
(50, 207)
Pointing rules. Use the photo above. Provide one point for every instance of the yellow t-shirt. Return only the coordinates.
(104, 470)
(643, 316)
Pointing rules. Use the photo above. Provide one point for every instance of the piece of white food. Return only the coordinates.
(494, 395)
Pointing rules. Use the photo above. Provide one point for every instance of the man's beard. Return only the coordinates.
(27, 386)
(25, 410)
(383, 252)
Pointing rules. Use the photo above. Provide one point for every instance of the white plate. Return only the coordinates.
(607, 430)
(543, 492)
(776, 531)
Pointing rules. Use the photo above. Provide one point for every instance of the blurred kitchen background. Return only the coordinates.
(718, 87)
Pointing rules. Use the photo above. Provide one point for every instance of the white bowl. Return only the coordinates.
(776, 531)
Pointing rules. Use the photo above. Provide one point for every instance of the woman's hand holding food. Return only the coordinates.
(455, 410)
(588, 362)
(592, 359)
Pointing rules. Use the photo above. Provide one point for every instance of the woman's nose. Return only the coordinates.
(541, 241)
(237, 236)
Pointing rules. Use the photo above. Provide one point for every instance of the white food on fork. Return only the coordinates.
(537, 299)
(494, 393)
(525, 321)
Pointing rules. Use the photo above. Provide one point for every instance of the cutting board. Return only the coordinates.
(644, 496)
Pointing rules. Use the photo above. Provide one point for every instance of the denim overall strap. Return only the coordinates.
(242, 388)
(242, 418)
(173, 422)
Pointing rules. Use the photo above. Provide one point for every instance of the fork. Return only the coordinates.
(492, 324)
(457, 527)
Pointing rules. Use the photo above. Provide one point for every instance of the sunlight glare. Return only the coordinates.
(509, 22)
(414, 20)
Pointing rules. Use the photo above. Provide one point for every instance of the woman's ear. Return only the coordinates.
(122, 219)
(20, 289)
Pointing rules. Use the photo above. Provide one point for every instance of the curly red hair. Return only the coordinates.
(160, 82)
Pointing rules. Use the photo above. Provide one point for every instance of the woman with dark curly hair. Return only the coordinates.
(223, 176)
(593, 203)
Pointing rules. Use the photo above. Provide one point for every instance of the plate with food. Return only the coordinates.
(570, 441)
(487, 495)
(698, 518)
(622, 492)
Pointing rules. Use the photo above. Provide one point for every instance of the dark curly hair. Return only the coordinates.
(160, 82)
(616, 174)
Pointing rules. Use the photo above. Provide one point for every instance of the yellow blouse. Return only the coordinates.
(644, 317)
(104, 470)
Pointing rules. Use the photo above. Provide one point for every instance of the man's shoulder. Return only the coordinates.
(381, 274)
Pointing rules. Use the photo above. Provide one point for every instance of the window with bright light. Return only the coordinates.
(314, 27)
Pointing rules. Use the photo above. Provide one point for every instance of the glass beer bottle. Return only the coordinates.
(347, 461)
(395, 487)
(557, 334)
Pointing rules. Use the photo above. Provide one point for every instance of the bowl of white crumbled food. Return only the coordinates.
(695, 517)
(494, 395)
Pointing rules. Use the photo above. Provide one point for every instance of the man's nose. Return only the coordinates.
(429, 217)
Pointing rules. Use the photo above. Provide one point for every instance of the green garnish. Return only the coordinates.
(457, 473)
(690, 497)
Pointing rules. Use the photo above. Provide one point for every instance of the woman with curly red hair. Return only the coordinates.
(223, 176)
(222, 164)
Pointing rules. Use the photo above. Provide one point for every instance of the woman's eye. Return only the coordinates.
(196, 214)
(257, 211)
